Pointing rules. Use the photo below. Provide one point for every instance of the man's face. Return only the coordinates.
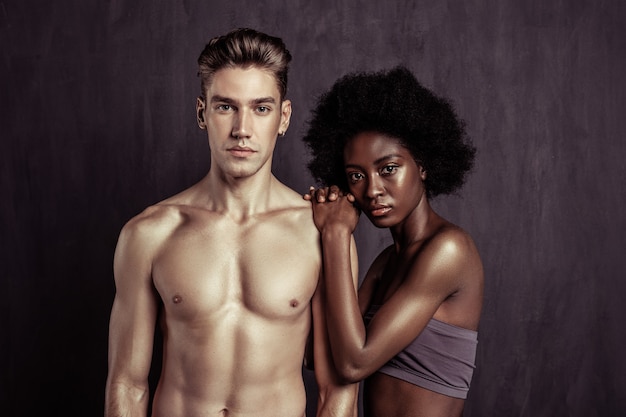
(243, 115)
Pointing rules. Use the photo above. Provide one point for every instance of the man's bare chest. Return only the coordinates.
(267, 270)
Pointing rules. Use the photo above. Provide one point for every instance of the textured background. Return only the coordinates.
(97, 122)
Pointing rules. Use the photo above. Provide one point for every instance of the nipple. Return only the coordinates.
(294, 303)
(177, 299)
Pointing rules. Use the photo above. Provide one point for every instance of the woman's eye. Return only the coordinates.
(354, 176)
(389, 169)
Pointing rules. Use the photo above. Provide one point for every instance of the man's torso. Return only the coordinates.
(236, 310)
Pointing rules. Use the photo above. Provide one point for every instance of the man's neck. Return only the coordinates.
(240, 197)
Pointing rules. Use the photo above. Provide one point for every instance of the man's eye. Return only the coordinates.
(263, 109)
(224, 107)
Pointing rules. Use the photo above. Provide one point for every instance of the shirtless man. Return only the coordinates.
(228, 267)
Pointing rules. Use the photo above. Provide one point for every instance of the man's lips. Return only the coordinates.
(240, 151)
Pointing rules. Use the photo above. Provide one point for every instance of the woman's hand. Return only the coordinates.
(332, 208)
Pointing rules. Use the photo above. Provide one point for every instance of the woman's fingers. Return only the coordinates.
(324, 194)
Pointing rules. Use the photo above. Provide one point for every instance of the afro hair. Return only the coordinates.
(393, 103)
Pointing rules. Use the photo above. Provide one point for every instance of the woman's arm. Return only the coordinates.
(430, 276)
(335, 398)
(371, 280)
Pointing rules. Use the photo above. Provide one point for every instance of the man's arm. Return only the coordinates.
(336, 399)
(132, 323)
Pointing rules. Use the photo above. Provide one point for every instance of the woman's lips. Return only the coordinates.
(379, 211)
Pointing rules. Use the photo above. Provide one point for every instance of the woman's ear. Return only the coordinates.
(422, 173)
(200, 107)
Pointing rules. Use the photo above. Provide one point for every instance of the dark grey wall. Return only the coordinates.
(97, 122)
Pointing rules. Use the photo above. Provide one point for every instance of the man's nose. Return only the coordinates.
(242, 127)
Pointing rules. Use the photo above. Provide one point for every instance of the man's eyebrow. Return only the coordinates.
(260, 100)
(221, 99)
(268, 99)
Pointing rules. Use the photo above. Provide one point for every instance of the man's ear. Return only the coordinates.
(285, 117)
(200, 107)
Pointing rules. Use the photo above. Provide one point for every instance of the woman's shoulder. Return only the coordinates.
(449, 237)
(451, 252)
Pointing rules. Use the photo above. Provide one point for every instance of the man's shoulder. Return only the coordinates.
(143, 236)
(292, 205)
(156, 220)
(292, 198)
(166, 213)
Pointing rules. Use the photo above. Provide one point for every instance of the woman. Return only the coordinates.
(389, 145)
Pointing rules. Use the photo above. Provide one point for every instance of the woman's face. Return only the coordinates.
(384, 178)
